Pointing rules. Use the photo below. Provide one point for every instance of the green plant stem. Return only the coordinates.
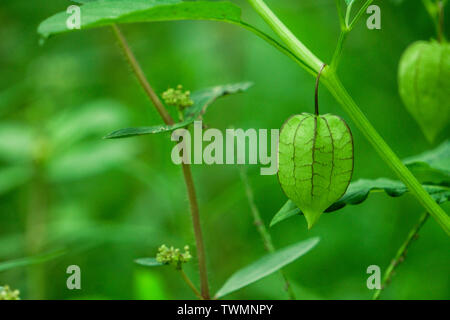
(340, 14)
(401, 254)
(190, 284)
(298, 48)
(341, 95)
(262, 230)
(347, 15)
(187, 173)
(359, 14)
(338, 52)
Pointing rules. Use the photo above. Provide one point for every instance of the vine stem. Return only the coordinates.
(187, 172)
(190, 284)
(262, 230)
(401, 254)
(334, 85)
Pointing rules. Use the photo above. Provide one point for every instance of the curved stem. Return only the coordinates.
(341, 95)
(186, 167)
(401, 254)
(190, 284)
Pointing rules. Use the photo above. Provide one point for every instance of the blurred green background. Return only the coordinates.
(107, 203)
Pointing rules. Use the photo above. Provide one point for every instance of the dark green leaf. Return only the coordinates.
(104, 13)
(359, 191)
(202, 100)
(148, 262)
(266, 266)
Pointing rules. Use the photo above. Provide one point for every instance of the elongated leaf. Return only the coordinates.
(359, 191)
(104, 13)
(22, 262)
(432, 166)
(266, 266)
(149, 262)
(202, 100)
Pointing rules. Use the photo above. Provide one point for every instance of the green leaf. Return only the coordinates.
(202, 100)
(104, 13)
(22, 262)
(266, 266)
(359, 191)
(350, 2)
(315, 162)
(149, 262)
(432, 166)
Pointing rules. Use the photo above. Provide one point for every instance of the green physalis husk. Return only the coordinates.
(424, 85)
(315, 162)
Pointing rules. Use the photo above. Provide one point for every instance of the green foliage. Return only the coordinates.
(202, 99)
(359, 191)
(424, 85)
(149, 262)
(432, 166)
(315, 162)
(105, 13)
(265, 266)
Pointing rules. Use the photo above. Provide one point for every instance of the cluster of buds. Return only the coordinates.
(173, 256)
(177, 97)
(7, 294)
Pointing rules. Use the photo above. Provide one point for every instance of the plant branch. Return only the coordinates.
(190, 284)
(340, 14)
(359, 14)
(298, 48)
(338, 52)
(341, 95)
(262, 230)
(401, 254)
(186, 167)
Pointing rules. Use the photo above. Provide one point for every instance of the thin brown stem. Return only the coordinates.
(265, 235)
(141, 76)
(401, 254)
(186, 167)
(190, 284)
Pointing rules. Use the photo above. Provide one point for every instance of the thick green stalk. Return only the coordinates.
(298, 48)
(341, 95)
